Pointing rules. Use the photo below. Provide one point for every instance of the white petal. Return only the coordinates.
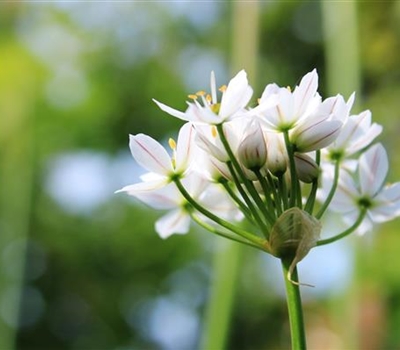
(197, 113)
(236, 96)
(167, 197)
(171, 111)
(318, 135)
(305, 91)
(144, 186)
(184, 147)
(373, 168)
(390, 194)
(176, 221)
(208, 145)
(150, 154)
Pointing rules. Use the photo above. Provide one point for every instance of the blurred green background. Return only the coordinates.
(81, 267)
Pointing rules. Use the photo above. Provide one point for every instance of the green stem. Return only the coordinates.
(309, 207)
(253, 209)
(269, 192)
(227, 235)
(226, 268)
(345, 233)
(247, 183)
(295, 194)
(283, 191)
(235, 229)
(244, 209)
(331, 192)
(295, 308)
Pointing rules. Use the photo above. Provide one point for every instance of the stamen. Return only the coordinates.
(200, 93)
(289, 88)
(214, 131)
(193, 97)
(222, 88)
(208, 98)
(172, 144)
(258, 100)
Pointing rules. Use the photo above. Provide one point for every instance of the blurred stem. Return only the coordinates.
(340, 28)
(18, 93)
(339, 21)
(295, 308)
(219, 309)
(345, 233)
(228, 254)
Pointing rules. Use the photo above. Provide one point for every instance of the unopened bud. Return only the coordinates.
(252, 151)
(307, 169)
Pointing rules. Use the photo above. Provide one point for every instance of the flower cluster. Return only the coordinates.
(280, 166)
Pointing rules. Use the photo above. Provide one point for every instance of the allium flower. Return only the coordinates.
(321, 127)
(291, 106)
(152, 156)
(367, 191)
(358, 132)
(235, 98)
(268, 165)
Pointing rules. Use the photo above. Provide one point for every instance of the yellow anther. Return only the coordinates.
(214, 131)
(215, 108)
(222, 88)
(258, 100)
(289, 88)
(208, 98)
(200, 93)
(192, 97)
(172, 144)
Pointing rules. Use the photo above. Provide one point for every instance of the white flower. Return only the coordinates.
(288, 107)
(357, 133)
(152, 156)
(321, 127)
(235, 98)
(368, 191)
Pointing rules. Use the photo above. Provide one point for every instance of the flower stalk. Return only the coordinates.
(295, 310)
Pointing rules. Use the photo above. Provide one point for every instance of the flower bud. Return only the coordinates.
(277, 156)
(252, 151)
(306, 168)
(293, 235)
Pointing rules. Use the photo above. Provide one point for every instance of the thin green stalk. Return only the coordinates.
(295, 185)
(253, 209)
(248, 184)
(295, 308)
(277, 195)
(268, 190)
(345, 233)
(244, 209)
(235, 229)
(331, 192)
(309, 207)
(227, 235)
(283, 190)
